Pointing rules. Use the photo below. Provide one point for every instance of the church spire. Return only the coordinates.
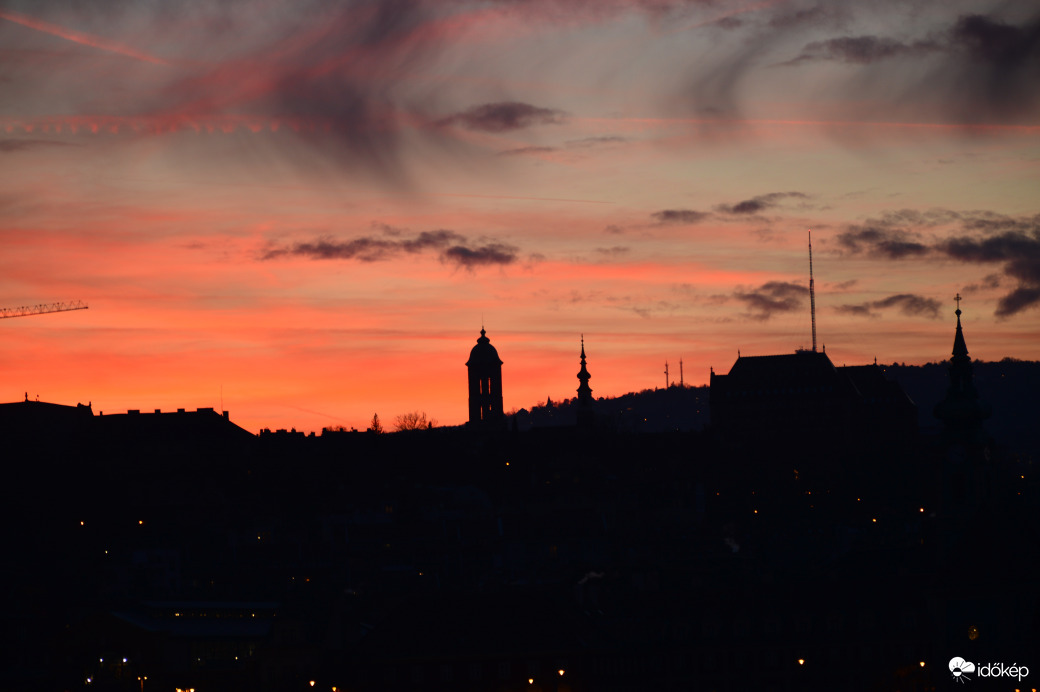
(584, 391)
(586, 417)
(961, 410)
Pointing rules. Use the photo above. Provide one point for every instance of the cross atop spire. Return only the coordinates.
(960, 349)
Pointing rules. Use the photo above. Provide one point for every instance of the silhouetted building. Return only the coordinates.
(792, 393)
(485, 384)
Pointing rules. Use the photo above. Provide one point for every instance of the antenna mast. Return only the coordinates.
(812, 295)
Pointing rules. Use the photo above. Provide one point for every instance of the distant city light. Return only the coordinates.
(922, 664)
(140, 522)
(560, 671)
(530, 681)
(801, 661)
(311, 683)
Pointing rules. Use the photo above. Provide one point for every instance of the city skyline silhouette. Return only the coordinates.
(478, 346)
(253, 217)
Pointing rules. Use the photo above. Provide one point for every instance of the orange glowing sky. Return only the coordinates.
(304, 211)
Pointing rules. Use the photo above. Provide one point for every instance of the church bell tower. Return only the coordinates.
(485, 384)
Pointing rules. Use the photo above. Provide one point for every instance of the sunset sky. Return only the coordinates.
(304, 210)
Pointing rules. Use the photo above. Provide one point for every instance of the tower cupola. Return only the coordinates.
(485, 383)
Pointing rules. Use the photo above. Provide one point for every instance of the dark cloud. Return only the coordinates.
(615, 251)
(1018, 251)
(987, 238)
(9, 146)
(996, 43)
(451, 248)
(505, 116)
(758, 204)
(881, 242)
(861, 310)
(680, 216)
(771, 298)
(468, 258)
(978, 70)
(587, 142)
(523, 151)
(907, 303)
(864, 50)
(614, 229)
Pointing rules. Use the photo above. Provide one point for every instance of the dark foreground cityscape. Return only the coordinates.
(811, 535)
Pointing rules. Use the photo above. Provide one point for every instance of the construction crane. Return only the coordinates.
(42, 309)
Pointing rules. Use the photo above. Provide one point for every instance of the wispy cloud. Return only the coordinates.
(759, 203)
(771, 298)
(978, 68)
(680, 216)
(10, 146)
(864, 50)
(450, 247)
(504, 117)
(907, 303)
